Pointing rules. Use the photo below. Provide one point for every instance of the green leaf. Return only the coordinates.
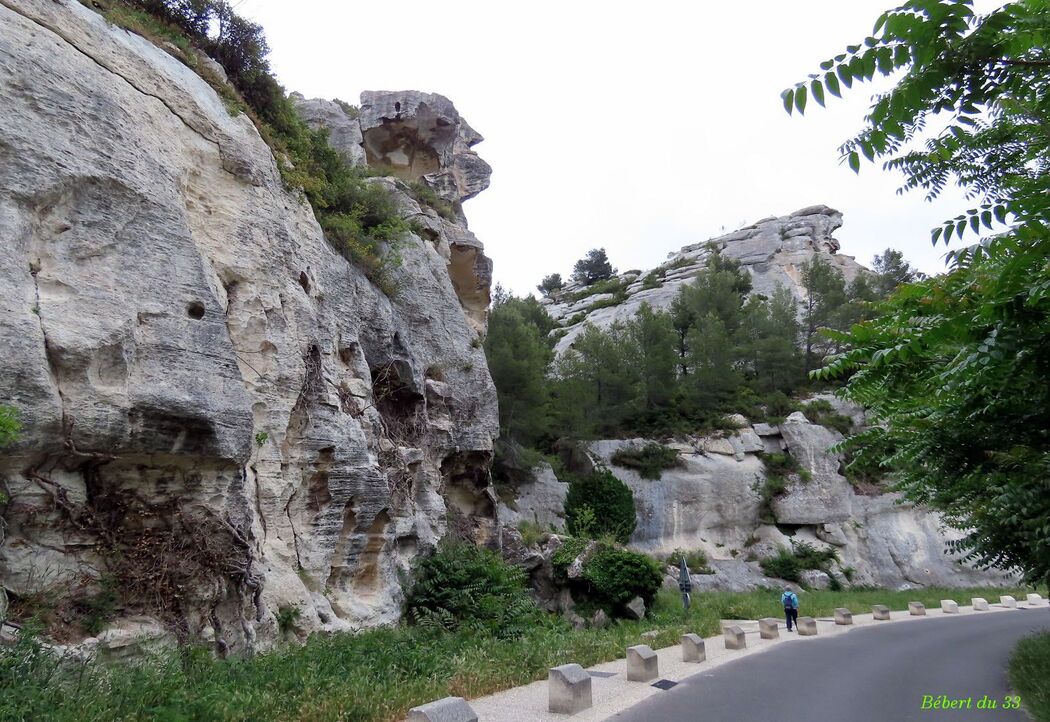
(854, 162)
(833, 84)
(818, 92)
(789, 99)
(800, 100)
(844, 75)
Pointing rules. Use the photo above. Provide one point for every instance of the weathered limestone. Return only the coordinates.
(180, 337)
(768, 628)
(569, 689)
(880, 611)
(642, 663)
(807, 626)
(693, 649)
(734, 637)
(949, 606)
(980, 604)
(1034, 599)
(843, 616)
(1007, 601)
(449, 709)
(916, 609)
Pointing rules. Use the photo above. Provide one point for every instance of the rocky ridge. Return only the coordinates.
(771, 251)
(223, 417)
(713, 502)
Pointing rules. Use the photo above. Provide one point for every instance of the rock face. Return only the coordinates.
(713, 502)
(772, 251)
(219, 411)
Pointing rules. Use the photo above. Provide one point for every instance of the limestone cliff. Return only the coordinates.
(222, 416)
(772, 252)
(713, 502)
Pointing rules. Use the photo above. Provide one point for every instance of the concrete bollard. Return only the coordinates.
(449, 709)
(642, 663)
(693, 649)
(843, 616)
(568, 689)
(917, 609)
(979, 604)
(880, 611)
(1035, 599)
(1008, 601)
(734, 637)
(807, 626)
(949, 606)
(767, 628)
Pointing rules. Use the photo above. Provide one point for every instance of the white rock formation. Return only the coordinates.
(713, 502)
(772, 251)
(207, 387)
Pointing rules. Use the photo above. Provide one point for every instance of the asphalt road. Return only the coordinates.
(871, 674)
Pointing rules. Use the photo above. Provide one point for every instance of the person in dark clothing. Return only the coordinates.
(790, 602)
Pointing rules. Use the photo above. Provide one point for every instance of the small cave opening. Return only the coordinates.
(304, 281)
(195, 310)
(398, 402)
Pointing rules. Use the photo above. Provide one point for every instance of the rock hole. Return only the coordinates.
(397, 107)
(195, 310)
(304, 281)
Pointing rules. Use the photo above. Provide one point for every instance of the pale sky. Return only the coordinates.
(640, 127)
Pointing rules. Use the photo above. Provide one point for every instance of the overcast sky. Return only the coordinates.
(640, 127)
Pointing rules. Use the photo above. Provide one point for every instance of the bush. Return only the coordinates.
(10, 426)
(609, 500)
(649, 461)
(779, 405)
(550, 284)
(779, 464)
(789, 563)
(593, 267)
(463, 586)
(696, 560)
(820, 411)
(612, 576)
(1030, 674)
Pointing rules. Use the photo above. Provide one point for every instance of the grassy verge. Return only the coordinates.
(376, 675)
(1030, 674)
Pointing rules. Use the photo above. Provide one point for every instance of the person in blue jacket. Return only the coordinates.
(790, 602)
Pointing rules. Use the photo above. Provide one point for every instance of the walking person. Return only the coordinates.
(790, 602)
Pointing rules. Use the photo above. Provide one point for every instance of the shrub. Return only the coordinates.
(651, 280)
(649, 461)
(820, 411)
(612, 576)
(428, 196)
(10, 426)
(618, 576)
(531, 533)
(610, 285)
(593, 267)
(463, 586)
(610, 500)
(550, 284)
(789, 563)
(779, 464)
(286, 618)
(779, 405)
(696, 560)
(1029, 672)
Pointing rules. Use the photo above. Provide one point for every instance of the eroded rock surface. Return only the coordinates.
(219, 411)
(772, 251)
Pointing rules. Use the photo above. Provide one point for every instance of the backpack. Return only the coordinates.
(790, 600)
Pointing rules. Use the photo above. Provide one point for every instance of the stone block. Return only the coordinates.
(880, 611)
(568, 689)
(980, 604)
(1008, 601)
(693, 649)
(1035, 599)
(949, 606)
(843, 616)
(807, 626)
(917, 609)
(734, 637)
(642, 663)
(768, 628)
(449, 709)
